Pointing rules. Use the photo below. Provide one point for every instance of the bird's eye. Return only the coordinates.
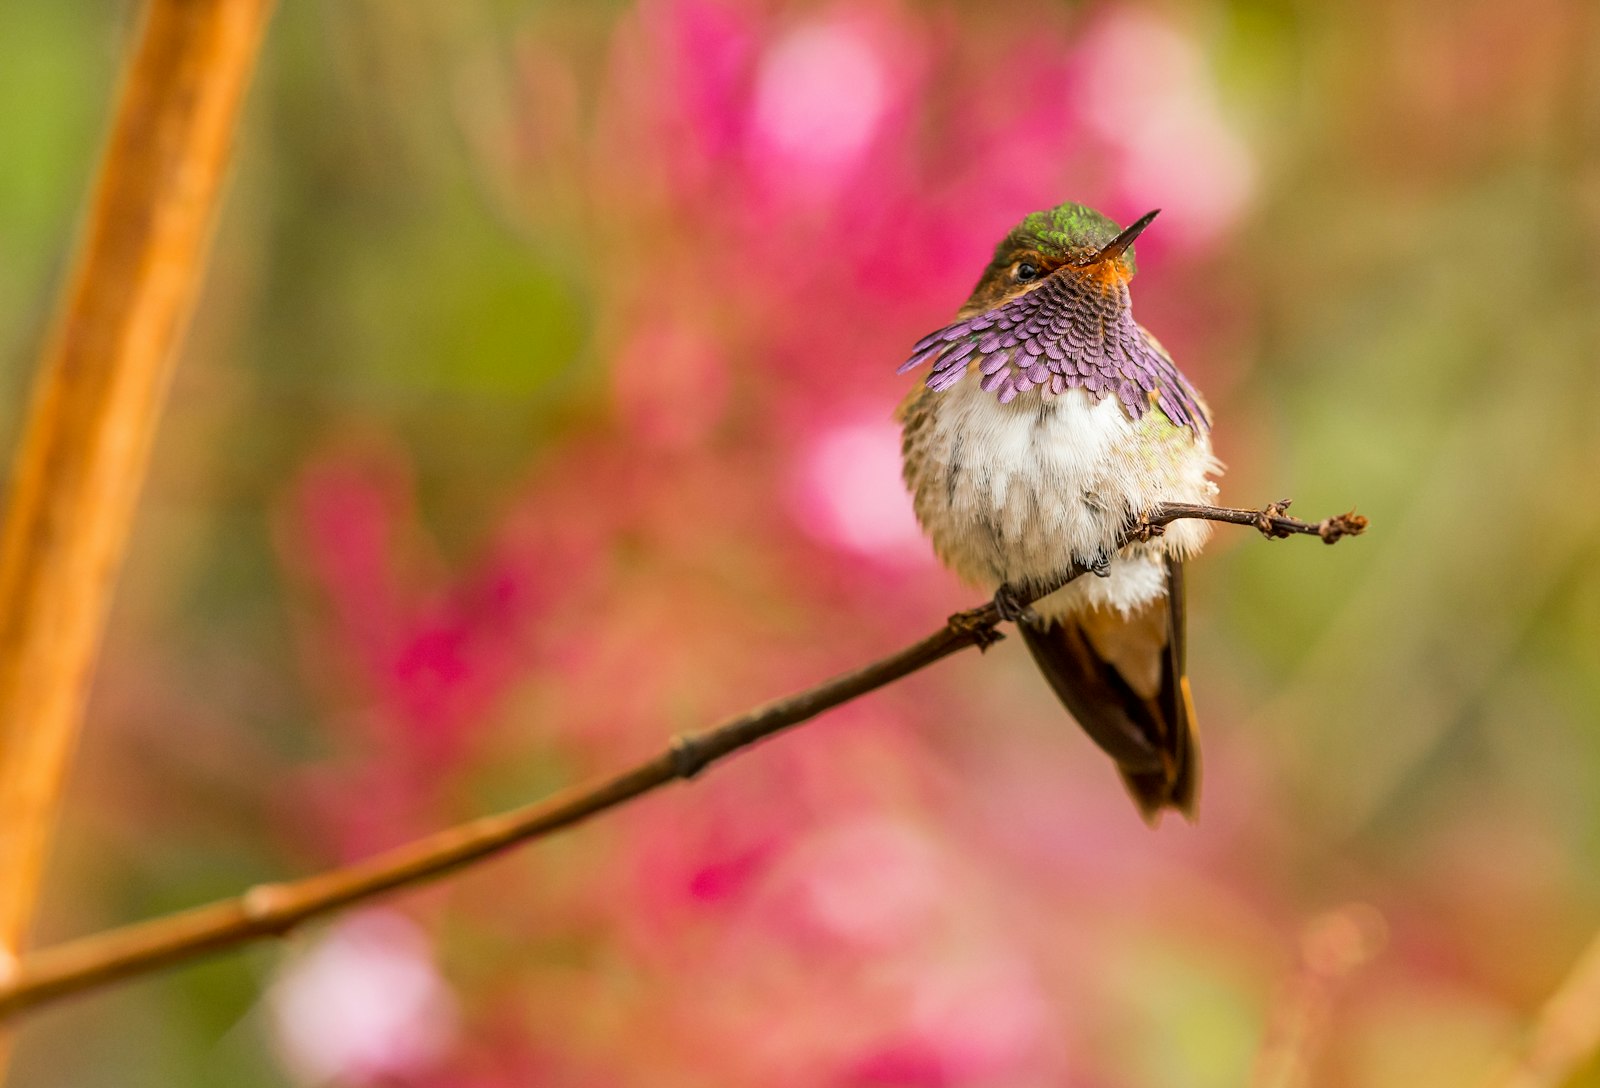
(1026, 272)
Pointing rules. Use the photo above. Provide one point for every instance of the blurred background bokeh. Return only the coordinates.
(538, 406)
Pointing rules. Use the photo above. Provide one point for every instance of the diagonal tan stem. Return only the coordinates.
(95, 960)
(96, 401)
(1564, 1037)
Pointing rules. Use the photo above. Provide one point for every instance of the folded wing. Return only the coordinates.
(1125, 681)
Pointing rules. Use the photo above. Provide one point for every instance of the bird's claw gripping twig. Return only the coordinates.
(1013, 606)
(1100, 565)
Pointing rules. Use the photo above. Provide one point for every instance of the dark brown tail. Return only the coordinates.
(1124, 679)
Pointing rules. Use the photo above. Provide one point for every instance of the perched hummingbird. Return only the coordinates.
(1049, 422)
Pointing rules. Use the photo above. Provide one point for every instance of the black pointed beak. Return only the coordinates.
(1119, 245)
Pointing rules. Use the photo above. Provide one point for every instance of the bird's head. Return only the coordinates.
(1069, 238)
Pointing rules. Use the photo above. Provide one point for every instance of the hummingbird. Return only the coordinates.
(1050, 421)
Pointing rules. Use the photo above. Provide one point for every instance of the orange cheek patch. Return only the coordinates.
(1110, 275)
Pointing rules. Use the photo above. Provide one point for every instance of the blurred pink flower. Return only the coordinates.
(434, 653)
(982, 1021)
(865, 885)
(1143, 89)
(848, 494)
(710, 44)
(363, 1005)
(821, 91)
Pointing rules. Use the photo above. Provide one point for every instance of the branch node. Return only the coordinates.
(977, 625)
(689, 756)
(1341, 525)
(260, 907)
(1142, 530)
(1267, 521)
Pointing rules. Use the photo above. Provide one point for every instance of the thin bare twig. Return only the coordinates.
(1566, 1034)
(96, 401)
(1273, 521)
(269, 909)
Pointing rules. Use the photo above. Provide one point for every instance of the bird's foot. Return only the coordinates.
(1013, 606)
(1099, 564)
(977, 625)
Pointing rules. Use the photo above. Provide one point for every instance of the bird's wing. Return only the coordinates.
(1124, 680)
